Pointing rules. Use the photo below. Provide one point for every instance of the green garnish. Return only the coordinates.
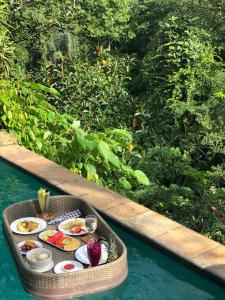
(66, 241)
(51, 232)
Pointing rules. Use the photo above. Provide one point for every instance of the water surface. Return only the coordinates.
(152, 275)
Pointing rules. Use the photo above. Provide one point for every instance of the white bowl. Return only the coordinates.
(40, 263)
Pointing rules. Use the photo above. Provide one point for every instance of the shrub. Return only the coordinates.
(100, 156)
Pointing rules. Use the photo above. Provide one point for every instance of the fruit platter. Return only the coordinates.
(68, 259)
(59, 240)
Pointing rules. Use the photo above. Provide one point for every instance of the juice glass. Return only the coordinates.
(94, 252)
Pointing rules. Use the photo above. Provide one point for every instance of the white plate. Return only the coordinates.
(67, 231)
(58, 269)
(41, 225)
(82, 256)
(38, 244)
(44, 269)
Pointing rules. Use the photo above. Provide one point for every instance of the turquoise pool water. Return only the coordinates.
(152, 275)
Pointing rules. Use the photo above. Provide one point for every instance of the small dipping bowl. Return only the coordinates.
(69, 267)
(41, 252)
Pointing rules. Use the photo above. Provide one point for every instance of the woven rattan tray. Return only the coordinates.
(49, 285)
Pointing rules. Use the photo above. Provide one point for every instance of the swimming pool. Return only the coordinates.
(152, 275)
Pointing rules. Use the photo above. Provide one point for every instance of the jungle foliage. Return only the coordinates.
(117, 89)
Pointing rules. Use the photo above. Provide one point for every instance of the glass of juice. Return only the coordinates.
(43, 200)
(94, 252)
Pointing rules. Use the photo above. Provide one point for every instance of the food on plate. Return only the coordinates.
(76, 229)
(73, 223)
(75, 226)
(38, 257)
(28, 245)
(27, 226)
(46, 234)
(59, 239)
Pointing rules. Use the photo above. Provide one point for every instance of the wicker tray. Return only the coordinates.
(49, 285)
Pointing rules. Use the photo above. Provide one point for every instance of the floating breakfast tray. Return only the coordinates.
(49, 285)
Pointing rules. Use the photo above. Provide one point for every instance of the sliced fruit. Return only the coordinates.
(55, 237)
(59, 242)
(66, 241)
(74, 244)
(51, 232)
(46, 234)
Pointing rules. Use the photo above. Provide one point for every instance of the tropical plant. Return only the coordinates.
(38, 126)
(185, 77)
(6, 46)
(96, 92)
(179, 121)
(105, 21)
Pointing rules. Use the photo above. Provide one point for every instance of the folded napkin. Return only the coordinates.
(69, 215)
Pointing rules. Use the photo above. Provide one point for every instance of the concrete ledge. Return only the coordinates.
(7, 139)
(191, 247)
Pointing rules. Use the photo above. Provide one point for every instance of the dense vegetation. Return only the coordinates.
(117, 89)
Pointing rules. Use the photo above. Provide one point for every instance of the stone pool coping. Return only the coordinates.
(189, 246)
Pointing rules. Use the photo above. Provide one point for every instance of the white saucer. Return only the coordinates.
(58, 269)
(44, 269)
(82, 256)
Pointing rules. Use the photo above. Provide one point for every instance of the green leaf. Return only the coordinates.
(141, 177)
(40, 87)
(4, 119)
(32, 135)
(127, 169)
(108, 155)
(103, 149)
(92, 145)
(91, 171)
(125, 184)
(114, 160)
(46, 134)
(75, 124)
(39, 96)
(122, 133)
(39, 144)
(81, 140)
(9, 115)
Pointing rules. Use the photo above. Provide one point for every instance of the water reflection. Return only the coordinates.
(152, 276)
